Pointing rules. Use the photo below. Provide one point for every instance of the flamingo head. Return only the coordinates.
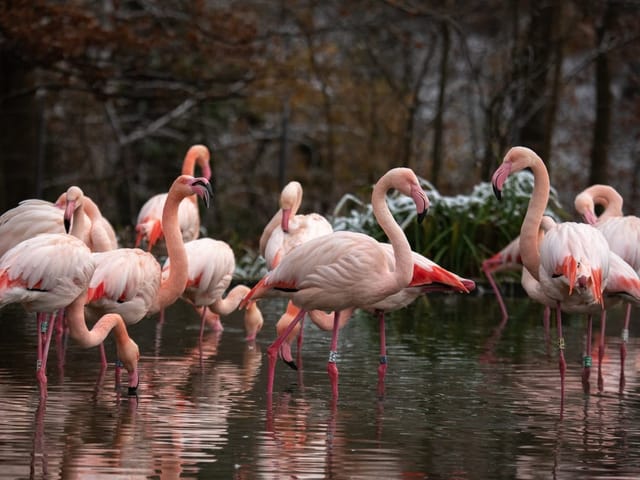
(73, 201)
(196, 185)
(290, 200)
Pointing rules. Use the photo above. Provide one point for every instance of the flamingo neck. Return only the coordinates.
(610, 199)
(80, 224)
(175, 283)
(403, 272)
(324, 320)
(224, 306)
(90, 338)
(529, 231)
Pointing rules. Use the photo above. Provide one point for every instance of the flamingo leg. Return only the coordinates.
(299, 344)
(586, 359)
(623, 346)
(46, 331)
(382, 367)
(603, 323)
(546, 322)
(103, 357)
(561, 361)
(332, 368)
(202, 321)
(503, 308)
(272, 350)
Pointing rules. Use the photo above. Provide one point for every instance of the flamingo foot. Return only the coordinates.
(332, 370)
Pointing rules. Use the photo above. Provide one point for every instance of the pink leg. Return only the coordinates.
(299, 344)
(603, 323)
(332, 368)
(586, 359)
(503, 308)
(202, 321)
(562, 363)
(546, 322)
(272, 350)
(47, 328)
(382, 367)
(103, 357)
(623, 346)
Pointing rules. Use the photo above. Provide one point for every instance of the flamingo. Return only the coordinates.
(345, 269)
(286, 230)
(623, 234)
(49, 272)
(428, 277)
(571, 261)
(149, 226)
(101, 235)
(622, 284)
(129, 281)
(211, 265)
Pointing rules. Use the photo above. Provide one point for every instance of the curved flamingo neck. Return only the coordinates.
(172, 286)
(268, 230)
(403, 272)
(90, 338)
(80, 224)
(324, 320)
(224, 306)
(529, 231)
(609, 198)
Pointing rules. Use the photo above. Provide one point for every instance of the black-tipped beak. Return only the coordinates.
(497, 192)
(132, 391)
(67, 225)
(422, 214)
(292, 364)
(208, 191)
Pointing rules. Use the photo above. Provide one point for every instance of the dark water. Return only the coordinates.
(463, 400)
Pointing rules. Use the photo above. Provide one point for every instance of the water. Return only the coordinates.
(463, 399)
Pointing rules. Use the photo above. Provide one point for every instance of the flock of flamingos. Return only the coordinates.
(62, 260)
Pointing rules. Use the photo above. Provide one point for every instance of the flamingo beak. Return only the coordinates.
(422, 202)
(68, 214)
(499, 177)
(204, 190)
(286, 215)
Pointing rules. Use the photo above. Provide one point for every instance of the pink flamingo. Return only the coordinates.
(623, 284)
(129, 281)
(149, 226)
(623, 234)
(428, 277)
(211, 265)
(571, 261)
(100, 235)
(49, 272)
(345, 269)
(286, 230)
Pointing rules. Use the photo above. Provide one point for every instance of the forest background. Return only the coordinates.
(110, 94)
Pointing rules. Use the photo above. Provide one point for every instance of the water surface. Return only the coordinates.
(464, 398)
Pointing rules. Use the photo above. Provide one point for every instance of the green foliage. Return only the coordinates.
(458, 233)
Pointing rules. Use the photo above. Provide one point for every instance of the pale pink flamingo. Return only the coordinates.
(286, 230)
(211, 266)
(129, 281)
(149, 226)
(571, 261)
(623, 283)
(49, 272)
(345, 269)
(100, 236)
(428, 277)
(623, 234)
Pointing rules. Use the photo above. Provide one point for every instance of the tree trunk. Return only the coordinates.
(438, 123)
(602, 124)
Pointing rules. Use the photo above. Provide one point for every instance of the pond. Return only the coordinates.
(463, 399)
